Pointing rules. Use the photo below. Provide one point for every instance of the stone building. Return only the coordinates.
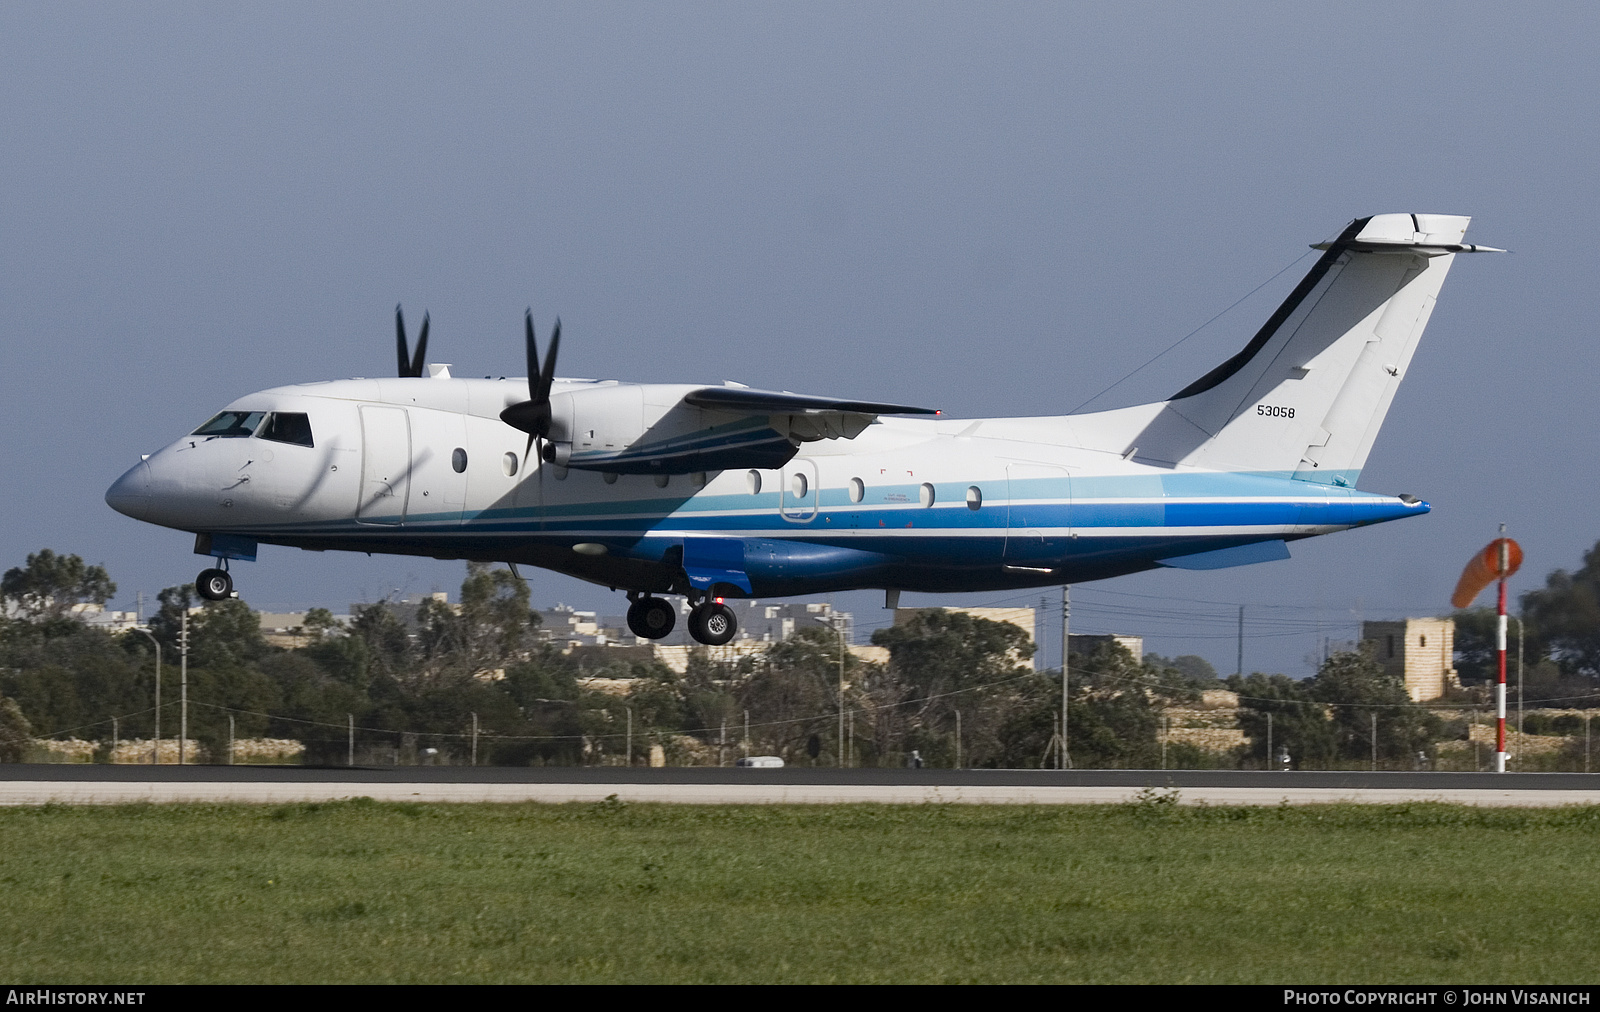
(1419, 650)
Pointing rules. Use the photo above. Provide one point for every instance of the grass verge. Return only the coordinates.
(362, 891)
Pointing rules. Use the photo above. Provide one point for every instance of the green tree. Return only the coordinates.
(1567, 614)
(1358, 688)
(50, 586)
(1300, 723)
(16, 736)
(1113, 717)
(941, 661)
(792, 693)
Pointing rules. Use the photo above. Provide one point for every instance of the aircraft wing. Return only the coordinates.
(718, 428)
(770, 402)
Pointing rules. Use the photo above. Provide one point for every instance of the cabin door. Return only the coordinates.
(385, 465)
(1038, 515)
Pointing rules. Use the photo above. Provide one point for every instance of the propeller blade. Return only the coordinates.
(410, 366)
(533, 354)
(422, 348)
(533, 415)
(401, 351)
(549, 375)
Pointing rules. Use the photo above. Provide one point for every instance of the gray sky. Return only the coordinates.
(992, 209)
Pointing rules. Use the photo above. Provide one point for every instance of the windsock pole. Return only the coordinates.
(1500, 682)
(1496, 563)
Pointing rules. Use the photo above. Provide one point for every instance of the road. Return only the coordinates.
(25, 784)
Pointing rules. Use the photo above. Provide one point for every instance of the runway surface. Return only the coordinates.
(24, 784)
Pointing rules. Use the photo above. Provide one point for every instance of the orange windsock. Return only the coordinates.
(1502, 558)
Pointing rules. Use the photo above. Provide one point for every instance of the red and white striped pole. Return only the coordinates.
(1500, 682)
(1498, 562)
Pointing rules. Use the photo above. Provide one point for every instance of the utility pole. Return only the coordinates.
(839, 622)
(155, 748)
(747, 734)
(958, 739)
(116, 735)
(183, 687)
(1374, 741)
(1239, 668)
(350, 740)
(230, 739)
(474, 739)
(1066, 641)
(1268, 764)
(629, 711)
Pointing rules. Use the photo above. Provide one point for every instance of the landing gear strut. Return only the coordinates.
(651, 618)
(712, 623)
(214, 585)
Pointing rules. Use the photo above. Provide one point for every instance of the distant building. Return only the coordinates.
(1084, 644)
(1419, 650)
(96, 615)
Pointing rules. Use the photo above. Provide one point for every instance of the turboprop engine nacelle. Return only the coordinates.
(632, 428)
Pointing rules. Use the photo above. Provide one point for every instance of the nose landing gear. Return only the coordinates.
(214, 585)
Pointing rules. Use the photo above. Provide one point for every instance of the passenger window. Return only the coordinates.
(232, 424)
(858, 490)
(288, 427)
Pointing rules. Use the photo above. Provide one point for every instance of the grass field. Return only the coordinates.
(367, 892)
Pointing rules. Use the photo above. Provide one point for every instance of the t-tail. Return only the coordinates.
(1309, 392)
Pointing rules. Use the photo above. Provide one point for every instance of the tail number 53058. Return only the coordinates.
(1274, 411)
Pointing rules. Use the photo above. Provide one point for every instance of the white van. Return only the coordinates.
(766, 761)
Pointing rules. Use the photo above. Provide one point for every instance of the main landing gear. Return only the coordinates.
(651, 618)
(710, 622)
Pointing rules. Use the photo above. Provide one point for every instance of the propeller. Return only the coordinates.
(533, 415)
(410, 367)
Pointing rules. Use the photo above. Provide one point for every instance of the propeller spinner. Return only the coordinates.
(533, 415)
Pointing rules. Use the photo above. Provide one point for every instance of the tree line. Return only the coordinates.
(407, 688)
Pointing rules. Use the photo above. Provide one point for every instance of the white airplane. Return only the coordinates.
(721, 491)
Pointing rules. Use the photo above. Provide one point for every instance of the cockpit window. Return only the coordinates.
(232, 424)
(288, 427)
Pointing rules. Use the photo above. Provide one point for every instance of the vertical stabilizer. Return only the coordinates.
(1309, 392)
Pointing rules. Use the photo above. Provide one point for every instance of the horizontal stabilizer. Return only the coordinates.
(1227, 558)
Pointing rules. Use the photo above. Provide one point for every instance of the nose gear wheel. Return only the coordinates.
(214, 585)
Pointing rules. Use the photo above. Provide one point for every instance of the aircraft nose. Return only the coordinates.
(130, 494)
